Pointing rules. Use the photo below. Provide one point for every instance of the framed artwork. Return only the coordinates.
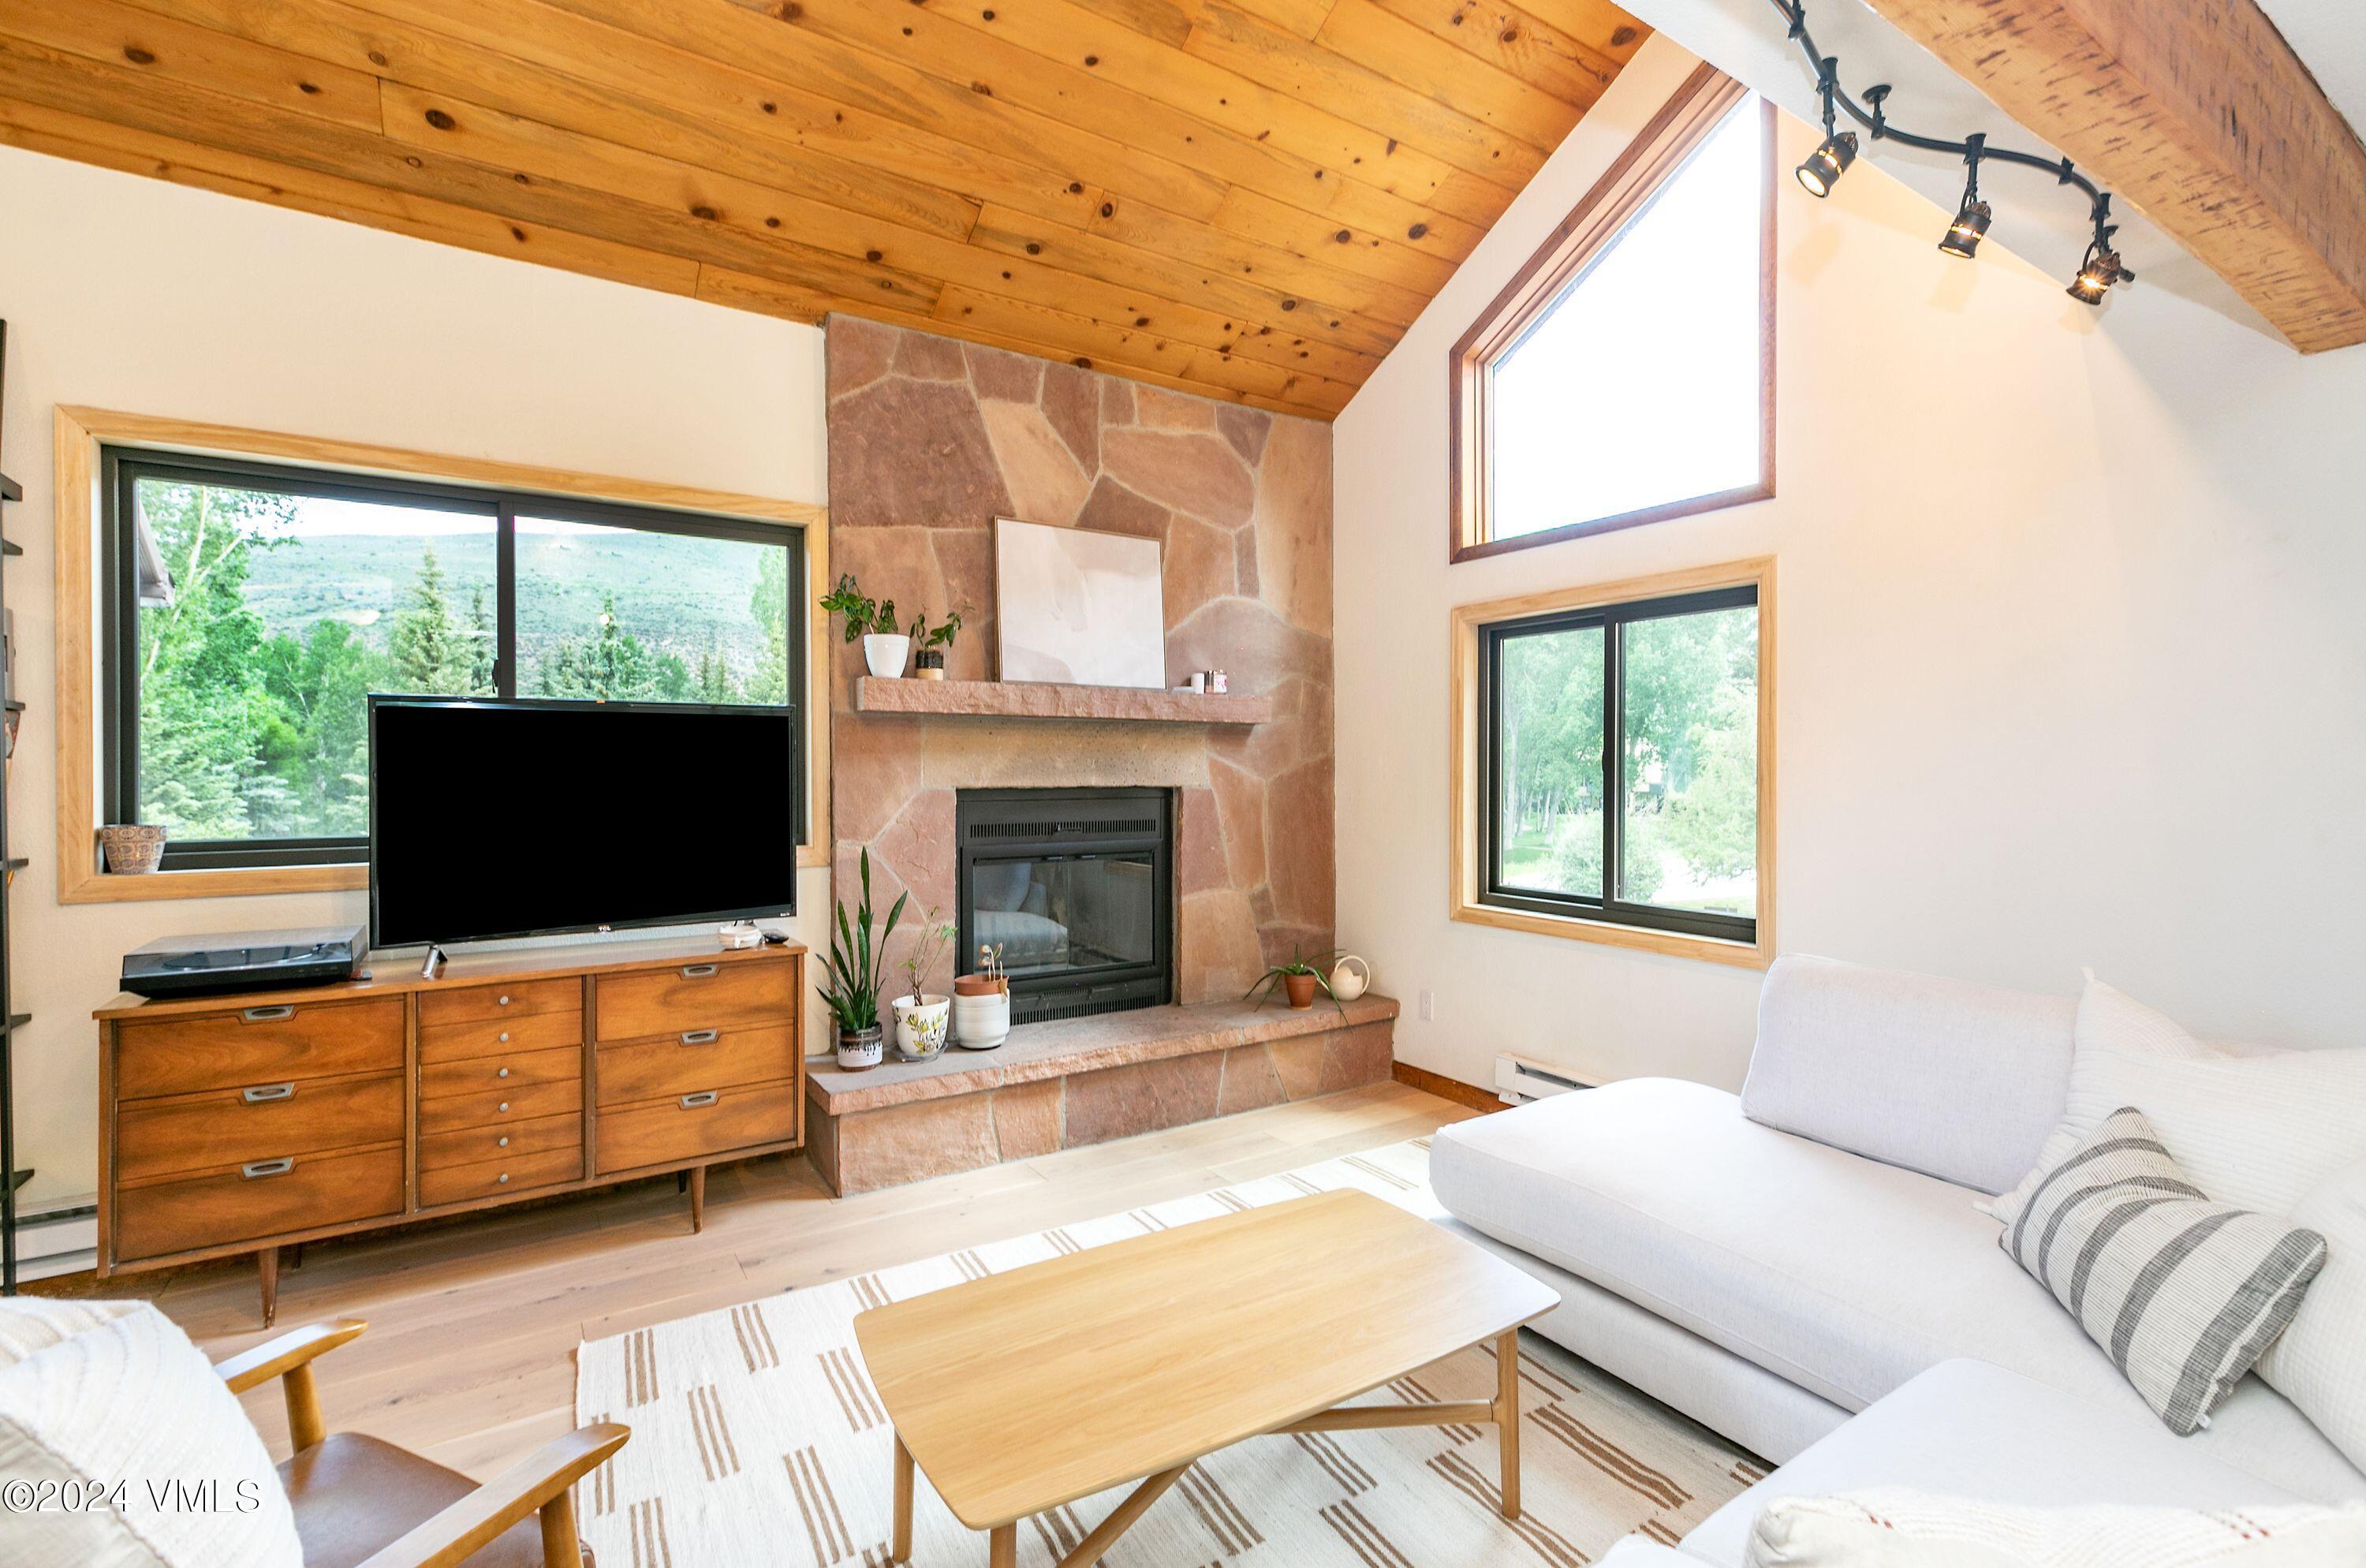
(1077, 606)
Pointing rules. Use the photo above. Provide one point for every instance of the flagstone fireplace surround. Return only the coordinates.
(930, 440)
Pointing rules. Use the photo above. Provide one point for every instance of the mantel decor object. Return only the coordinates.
(1078, 607)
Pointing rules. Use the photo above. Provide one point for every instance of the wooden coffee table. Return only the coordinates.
(1023, 1390)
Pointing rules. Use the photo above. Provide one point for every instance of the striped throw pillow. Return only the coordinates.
(2182, 1294)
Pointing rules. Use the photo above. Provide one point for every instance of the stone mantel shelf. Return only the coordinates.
(1063, 1046)
(1035, 699)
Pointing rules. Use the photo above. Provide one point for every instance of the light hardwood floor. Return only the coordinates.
(470, 1355)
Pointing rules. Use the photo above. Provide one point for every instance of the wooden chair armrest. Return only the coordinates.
(279, 1357)
(536, 1483)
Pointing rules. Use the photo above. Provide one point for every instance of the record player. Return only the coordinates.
(225, 962)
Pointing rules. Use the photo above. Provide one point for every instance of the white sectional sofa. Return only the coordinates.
(1771, 1263)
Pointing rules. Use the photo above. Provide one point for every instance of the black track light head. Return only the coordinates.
(2096, 277)
(1828, 163)
(1964, 235)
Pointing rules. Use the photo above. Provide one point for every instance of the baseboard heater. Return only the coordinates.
(1519, 1080)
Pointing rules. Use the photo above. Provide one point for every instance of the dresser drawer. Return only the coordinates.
(510, 1138)
(257, 1045)
(306, 1193)
(232, 1126)
(492, 1107)
(687, 1126)
(500, 1036)
(516, 1070)
(473, 1004)
(694, 996)
(678, 1065)
(499, 1177)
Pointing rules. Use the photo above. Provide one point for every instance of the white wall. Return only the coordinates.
(131, 294)
(2071, 652)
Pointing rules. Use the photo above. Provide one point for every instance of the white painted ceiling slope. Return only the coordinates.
(2045, 224)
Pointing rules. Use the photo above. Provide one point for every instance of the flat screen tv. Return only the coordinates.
(519, 818)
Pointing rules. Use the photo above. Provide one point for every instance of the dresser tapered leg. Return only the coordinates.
(697, 1199)
(266, 1276)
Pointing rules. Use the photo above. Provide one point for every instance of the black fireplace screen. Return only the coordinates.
(1075, 887)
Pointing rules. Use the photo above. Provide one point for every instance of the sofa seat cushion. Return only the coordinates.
(1980, 1432)
(1844, 1275)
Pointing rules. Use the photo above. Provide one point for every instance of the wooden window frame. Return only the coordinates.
(1699, 107)
(1466, 769)
(80, 615)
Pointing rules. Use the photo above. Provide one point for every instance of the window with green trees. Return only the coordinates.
(1626, 737)
(252, 609)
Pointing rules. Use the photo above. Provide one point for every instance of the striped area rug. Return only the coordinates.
(757, 1440)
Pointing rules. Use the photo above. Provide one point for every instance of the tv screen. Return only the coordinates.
(515, 818)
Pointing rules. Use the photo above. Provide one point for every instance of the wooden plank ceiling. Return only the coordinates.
(1245, 199)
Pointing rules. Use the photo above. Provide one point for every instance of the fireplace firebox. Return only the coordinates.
(1076, 887)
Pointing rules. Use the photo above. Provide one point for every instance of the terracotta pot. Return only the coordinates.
(981, 985)
(1301, 990)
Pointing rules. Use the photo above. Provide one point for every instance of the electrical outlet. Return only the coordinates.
(1429, 1007)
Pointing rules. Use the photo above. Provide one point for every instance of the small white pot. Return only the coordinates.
(885, 655)
(922, 1026)
(859, 1053)
(980, 1023)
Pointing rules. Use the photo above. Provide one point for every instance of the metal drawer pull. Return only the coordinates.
(268, 1168)
(506, 1175)
(262, 1093)
(504, 1037)
(697, 971)
(264, 1015)
(693, 1101)
(503, 1002)
(502, 1074)
(503, 1144)
(504, 1105)
(700, 1036)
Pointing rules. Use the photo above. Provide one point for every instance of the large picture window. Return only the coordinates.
(250, 608)
(1626, 374)
(1617, 776)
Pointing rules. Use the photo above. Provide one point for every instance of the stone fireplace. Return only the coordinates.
(930, 440)
(1074, 889)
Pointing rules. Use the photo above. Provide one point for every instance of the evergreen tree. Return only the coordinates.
(484, 645)
(428, 652)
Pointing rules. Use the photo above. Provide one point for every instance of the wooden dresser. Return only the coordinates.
(246, 1123)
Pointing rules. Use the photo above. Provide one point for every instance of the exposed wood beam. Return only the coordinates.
(2199, 114)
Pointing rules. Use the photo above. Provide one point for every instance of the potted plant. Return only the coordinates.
(929, 664)
(923, 1020)
(981, 1002)
(1300, 978)
(873, 620)
(852, 979)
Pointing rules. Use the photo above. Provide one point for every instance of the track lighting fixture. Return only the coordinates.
(1828, 163)
(2098, 274)
(1963, 236)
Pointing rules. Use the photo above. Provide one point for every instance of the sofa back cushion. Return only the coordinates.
(1958, 1081)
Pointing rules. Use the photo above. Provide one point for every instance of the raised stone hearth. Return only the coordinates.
(1077, 1081)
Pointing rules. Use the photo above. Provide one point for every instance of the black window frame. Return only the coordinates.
(1612, 620)
(122, 466)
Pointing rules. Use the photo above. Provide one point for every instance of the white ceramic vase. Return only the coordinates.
(922, 1026)
(980, 1023)
(885, 655)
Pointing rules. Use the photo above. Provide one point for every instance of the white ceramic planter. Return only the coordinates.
(1348, 984)
(980, 1023)
(857, 1053)
(922, 1026)
(885, 655)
